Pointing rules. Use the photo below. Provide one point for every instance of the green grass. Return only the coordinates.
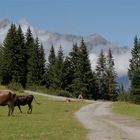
(128, 109)
(2, 87)
(52, 120)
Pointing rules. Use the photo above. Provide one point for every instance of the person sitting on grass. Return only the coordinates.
(80, 97)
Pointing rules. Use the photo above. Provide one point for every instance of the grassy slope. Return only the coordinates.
(127, 109)
(52, 120)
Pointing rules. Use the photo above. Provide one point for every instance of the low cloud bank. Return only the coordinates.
(121, 62)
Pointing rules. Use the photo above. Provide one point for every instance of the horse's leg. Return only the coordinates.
(30, 108)
(9, 110)
(12, 109)
(19, 108)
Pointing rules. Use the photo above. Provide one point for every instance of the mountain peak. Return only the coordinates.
(24, 22)
(95, 34)
(97, 39)
(4, 23)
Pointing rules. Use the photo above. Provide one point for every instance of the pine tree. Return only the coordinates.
(37, 61)
(77, 85)
(29, 43)
(134, 70)
(42, 65)
(72, 61)
(51, 68)
(87, 76)
(20, 65)
(74, 56)
(101, 76)
(1, 55)
(33, 64)
(112, 85)
(31, 58)
(95, 87)
(68, 74)
(58, 77)
(83, 77)
(21, 61)
(8, 56)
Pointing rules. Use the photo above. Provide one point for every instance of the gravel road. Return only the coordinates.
(104, 125)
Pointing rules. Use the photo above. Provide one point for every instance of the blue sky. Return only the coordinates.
(117, 20)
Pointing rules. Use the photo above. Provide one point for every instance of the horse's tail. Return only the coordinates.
(36, 101)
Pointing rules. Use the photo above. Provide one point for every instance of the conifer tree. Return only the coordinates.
(134, 70)
(20, 65)
(68, 74)
(77, 86)
(101, 76)
(58, 77)
(29, 43)
(74, 56)
(95, 87)
(33, 64)
(83, 77)
(8, 56)
(1, 55)
(87, 76)
(51, 68)
(112, 85)
(21, 61)
(72, 60)
(31, 58)
(42, 65)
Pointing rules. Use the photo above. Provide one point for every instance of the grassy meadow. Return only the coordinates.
(52, 120)
(128, 109)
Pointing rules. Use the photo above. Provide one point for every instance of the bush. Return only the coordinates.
(129, 97)
(64, 93)
(123, 96)
(32, 87)
(15, 87)
(136, 99)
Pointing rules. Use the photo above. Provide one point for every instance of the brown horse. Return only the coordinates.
(7, 98)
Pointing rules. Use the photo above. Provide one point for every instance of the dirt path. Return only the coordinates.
(53, 97)
(46, 95)
(103, 125)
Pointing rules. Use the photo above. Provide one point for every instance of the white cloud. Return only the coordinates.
(122, 63)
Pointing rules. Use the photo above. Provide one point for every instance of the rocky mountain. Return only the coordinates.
(94, 42)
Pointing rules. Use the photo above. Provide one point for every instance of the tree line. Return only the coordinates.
(22, 61)
(22, 58)
(134, 72)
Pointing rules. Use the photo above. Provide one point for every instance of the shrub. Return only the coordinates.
(15, 87)
(136, 99)
(64, 93)
(123, 96)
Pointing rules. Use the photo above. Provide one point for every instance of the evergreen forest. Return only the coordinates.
(22, 61)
